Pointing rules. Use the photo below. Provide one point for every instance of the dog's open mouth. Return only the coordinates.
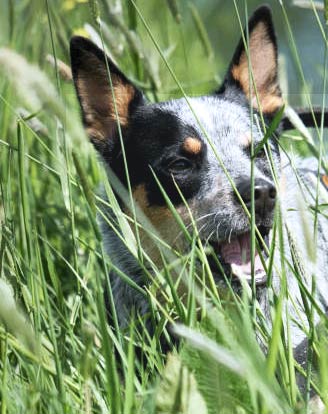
(234, 256)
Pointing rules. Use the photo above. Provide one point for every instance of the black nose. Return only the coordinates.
(265, 194)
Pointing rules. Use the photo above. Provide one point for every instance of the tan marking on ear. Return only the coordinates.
(263, 59)
(97, 101)
(192, 145)
(124, 94)
(264, 68)
(269, 104)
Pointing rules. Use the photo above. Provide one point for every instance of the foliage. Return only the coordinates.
(57, 353)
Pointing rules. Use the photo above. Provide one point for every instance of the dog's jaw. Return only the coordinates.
(235, 258)
(237, 253)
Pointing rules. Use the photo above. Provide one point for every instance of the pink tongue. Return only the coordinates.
(237, 253)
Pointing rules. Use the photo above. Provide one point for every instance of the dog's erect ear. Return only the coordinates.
(261, 55)
(100, 110)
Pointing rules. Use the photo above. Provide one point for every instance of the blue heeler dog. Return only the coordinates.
(203, 156)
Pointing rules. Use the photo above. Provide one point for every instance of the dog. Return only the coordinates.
(195, 154)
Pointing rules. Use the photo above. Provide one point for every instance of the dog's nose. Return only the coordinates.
(265, 194)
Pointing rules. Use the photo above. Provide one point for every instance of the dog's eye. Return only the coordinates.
(180, 165)
(261, 154)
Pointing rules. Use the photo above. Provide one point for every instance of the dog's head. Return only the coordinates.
(197, 149)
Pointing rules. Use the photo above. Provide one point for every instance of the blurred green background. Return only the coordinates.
(24, 27)
(50, 248)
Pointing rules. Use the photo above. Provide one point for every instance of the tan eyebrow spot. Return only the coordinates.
(192, 145)
(325, 180)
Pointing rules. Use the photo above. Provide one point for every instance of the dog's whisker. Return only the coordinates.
(188, 226)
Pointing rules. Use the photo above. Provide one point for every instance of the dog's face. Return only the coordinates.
(196, 149)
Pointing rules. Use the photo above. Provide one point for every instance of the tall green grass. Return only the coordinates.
(57, 352)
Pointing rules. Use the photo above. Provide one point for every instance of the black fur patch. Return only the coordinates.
(153, 142)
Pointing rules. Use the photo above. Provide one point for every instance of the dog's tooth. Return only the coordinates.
(236, 271)
(260, 277)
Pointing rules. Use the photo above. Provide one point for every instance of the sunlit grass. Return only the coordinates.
(57, 352)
